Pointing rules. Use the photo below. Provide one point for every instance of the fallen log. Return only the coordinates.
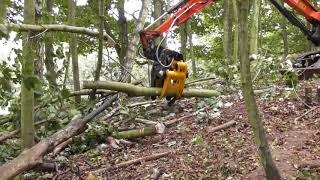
(133, 90)
(222, 126)
(171, 122)
(139, 133)
(56, 27)
(33, 156)
(145, 121)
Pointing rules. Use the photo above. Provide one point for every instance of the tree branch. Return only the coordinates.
(57, 27)
(133, 90)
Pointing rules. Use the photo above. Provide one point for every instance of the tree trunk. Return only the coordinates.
(227, 31)
(133, 90)
(253, 114)
(73, 50)
(3, 10)
(131, 50)
(38, 63)
(51, 75)
(254, 31)
(28, 78)
(285, 38)
(192, 57)
(123, 37)
(184, 38)
(236, 33)
(100, 51)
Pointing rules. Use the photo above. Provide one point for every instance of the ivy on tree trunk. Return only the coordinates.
(51, 75)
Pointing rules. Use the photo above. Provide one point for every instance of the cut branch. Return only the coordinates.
(88, 92)
(57, 27)
(133, 90)
(222, 126)
(142, 159)
(33, 156)
(139, 133)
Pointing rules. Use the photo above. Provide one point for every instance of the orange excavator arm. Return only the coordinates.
(306, 9)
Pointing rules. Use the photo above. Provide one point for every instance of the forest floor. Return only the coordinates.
(195, 153)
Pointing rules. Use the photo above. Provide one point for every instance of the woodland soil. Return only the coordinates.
(226, 154)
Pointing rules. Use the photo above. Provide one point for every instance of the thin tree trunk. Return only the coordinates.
(236, 33)
(66, 74)
(192, 57)
(73, 50)
(285, 38)
(3, 10)
(254, 31)
(123, 37)
(184, 38)
(27, 89)
(227, 31)
(38, 63)
(253, 114)
(51, 75)
(100, 51)
(131, 51)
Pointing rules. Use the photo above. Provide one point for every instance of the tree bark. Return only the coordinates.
(28, 79)
(184, 38)
(133, 90)
(192, 57)
(253, 114)
(236, 33)
(3, 10)
(284, 37)
(51, 75)
(31, 157)
(123, 36)
(73, 50)
(254, 31)
(222, 126)
(57, 28)
(138, 133)
(100, 50)
(131, 50)
(227, 31)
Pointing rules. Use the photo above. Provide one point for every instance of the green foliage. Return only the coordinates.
(198, 141)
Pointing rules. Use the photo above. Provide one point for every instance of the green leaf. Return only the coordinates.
(197, 141)
(31, 82)
(65, 93)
